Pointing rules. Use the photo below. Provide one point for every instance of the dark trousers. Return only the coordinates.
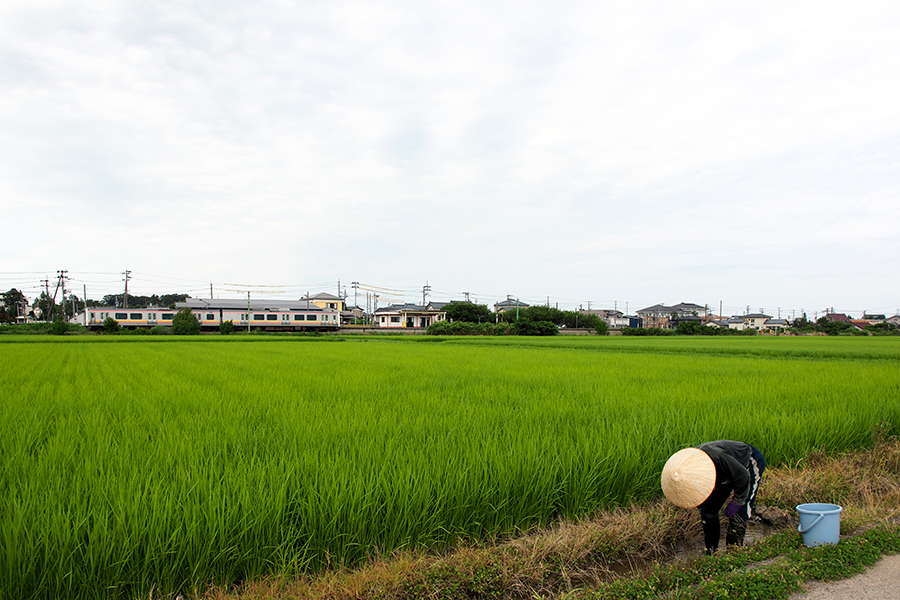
(737, 525)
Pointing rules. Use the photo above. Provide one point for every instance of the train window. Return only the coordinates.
(259, 317)
(298, 317)
(210, 316)
(136, 316)
(121, 316)
(271, 317)
(167, 316)
(310, 317)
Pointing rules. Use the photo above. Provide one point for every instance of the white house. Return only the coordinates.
(408, 315)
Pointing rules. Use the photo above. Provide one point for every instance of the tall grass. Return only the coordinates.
(131, 466)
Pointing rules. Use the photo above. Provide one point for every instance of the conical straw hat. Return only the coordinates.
(688, 477)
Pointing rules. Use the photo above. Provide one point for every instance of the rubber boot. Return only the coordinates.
(711, 532)
(737, 528)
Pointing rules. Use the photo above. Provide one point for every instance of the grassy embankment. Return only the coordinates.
(630, 552)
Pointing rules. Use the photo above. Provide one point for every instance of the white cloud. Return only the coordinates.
(585, 151)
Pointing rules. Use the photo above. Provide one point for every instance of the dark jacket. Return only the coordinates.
(732, 461)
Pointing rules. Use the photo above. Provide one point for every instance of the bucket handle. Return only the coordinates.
(813, 524)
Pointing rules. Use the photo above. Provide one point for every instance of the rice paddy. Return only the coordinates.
(133, 465)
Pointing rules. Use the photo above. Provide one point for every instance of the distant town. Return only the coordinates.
(326, 311)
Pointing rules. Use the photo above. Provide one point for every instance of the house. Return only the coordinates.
(674, 323)
(603, 313)
(755, 321)
(736, 322)
(774, 325)
(842, 318)
(324, 300)
(621, 321)
(895, 320)
(873, 319)
(837, 317)
(352, 314)
(509, 304)
(407, 315)
(659, 315)
(436, 305)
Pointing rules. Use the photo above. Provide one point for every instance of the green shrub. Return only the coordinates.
(644, 331)
(526, 327)
(185, 323)
(110, 325)
(226, 327)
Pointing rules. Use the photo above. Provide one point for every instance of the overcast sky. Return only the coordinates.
(617, 154)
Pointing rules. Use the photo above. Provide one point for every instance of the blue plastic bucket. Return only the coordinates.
(820, 524)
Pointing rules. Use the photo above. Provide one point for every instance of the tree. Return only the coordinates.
(226, 327)
(803, 325)
(833, 327)
(185, 323)
(59, 327)
(72, 305)
(469, 312)
(561, 318)
(110, 325)
(529, 327)
(43, 307)
(15, 303)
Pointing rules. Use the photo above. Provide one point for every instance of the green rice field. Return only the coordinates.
(135, 464)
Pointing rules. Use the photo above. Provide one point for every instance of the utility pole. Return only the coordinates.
(426, 290)
(355, 286)
(61, 282)
(46, 283)
(127, 275)
(466, 294)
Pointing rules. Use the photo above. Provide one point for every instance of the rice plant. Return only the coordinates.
(145, 465)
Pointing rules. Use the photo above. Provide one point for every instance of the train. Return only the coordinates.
(259, 315)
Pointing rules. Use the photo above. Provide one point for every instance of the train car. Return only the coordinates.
(259, 315)
(130, 318)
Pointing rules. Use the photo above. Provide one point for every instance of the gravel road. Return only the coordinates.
(879, 582)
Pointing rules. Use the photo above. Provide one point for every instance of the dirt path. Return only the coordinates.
(879, 582)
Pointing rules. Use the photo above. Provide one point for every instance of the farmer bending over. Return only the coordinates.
(705, 477)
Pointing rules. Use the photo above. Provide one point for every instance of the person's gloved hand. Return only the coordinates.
(732, 509)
